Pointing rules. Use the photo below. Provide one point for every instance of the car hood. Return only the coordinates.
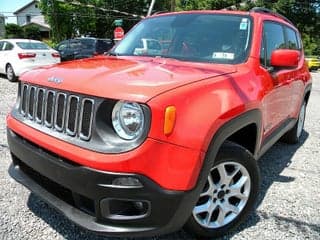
(129, 78)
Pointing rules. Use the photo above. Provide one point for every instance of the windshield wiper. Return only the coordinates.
(112, 53)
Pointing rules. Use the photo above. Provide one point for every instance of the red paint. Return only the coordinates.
(205, 96)
(285, 58)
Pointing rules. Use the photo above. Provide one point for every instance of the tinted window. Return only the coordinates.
(88, 43)
(103, 45)
(292, 40)
(32, 45)
(216, 38)
(8, 46)
(63, 46)
(273, 35)
(1, 45)
(75, 45)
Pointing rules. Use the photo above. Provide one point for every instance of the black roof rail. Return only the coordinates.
(268, 11)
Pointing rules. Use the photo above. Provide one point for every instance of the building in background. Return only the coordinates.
(2, 26)
(30, 14)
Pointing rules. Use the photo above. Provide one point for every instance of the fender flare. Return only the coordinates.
(251, 117)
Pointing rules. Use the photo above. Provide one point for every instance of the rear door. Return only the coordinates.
(296, 76)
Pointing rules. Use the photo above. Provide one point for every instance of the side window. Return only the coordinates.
(273, 35)
(75, 45)
(292, 39)
(1, 45)
(8, 46)
(62, 46)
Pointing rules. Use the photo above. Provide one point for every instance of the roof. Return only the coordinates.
(39, 25)
(40, 21)
(223, 11)
(25, 6)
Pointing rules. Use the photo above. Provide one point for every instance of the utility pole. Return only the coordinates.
(173, 5)
(151, 7)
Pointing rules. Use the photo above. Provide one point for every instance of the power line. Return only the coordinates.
(75, 3)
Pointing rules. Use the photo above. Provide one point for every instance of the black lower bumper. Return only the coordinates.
(92, 200)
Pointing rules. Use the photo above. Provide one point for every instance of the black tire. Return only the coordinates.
(294, 134)
(11, 76)
(232, 154)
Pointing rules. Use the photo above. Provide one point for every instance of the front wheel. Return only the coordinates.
(228, 195)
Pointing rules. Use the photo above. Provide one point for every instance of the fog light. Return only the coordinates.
(127, 182)
(124, 209)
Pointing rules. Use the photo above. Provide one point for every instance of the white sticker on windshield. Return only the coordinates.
(244, 24)
(223, 55)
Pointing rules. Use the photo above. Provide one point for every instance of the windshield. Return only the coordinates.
(32, 45)
(195, 37)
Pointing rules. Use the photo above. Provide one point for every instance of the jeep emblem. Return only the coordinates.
(55, 80)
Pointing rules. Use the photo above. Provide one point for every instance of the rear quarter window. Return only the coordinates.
(292, 39)
(8, 46)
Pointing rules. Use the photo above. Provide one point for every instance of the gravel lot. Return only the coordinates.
(288, 206)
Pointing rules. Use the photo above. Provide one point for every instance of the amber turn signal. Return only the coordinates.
(169, 120)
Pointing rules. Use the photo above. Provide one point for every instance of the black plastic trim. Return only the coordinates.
(276, 135)
(96, 185)
(288, 124)
(251, 117)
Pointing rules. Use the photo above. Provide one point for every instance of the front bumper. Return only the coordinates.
(89, 198)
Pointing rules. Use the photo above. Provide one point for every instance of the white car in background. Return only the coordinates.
(20, 55)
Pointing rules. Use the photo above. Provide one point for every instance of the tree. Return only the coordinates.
(93, 17)
(32, 32)
(60, 17)
(306, 17)
(96, 17)
(13, 31)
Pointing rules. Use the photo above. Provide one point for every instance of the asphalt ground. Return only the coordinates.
(288, 206)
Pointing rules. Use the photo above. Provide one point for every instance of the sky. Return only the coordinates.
(8, 7)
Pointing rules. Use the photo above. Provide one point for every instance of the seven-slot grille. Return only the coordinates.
(64, 112)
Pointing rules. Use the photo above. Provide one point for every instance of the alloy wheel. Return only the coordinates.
(301, 120)
(224, 196)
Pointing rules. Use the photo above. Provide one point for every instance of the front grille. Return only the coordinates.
(63, 112)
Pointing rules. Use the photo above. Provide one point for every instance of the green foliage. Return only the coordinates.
(50, 43)
(93, 17)
(306, 17)
(304, 14)
(13, 31)
(68, 20)
(32, 32)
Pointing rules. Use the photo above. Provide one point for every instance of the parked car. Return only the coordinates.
(78, 48)
(140, 143)
(20, 55)
(313, 62)
(148, 46)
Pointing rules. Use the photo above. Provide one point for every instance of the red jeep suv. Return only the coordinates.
(164, 131)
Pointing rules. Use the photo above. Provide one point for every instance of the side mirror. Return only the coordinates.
(285, 58)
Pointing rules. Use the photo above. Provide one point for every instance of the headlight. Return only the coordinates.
(128, 120)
